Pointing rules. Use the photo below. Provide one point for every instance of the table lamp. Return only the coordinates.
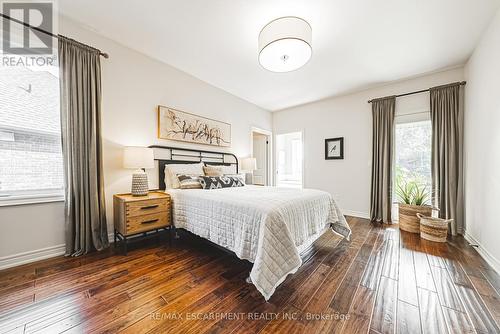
(138, 158)
(248, 165)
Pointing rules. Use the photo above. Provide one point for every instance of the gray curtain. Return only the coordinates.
(383, 111)
(447, 153)
(80, 80)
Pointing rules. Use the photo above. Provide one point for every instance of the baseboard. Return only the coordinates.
(31, 256)
(36, 255)
(357, 214)
(487, 256)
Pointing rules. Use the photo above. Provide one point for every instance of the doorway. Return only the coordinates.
(289, 160)
(261, 150)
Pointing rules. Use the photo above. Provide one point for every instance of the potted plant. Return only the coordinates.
(413, 198)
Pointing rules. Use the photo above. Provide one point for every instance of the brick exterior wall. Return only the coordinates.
(31, 161)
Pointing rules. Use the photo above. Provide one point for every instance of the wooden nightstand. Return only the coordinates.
(135, 215)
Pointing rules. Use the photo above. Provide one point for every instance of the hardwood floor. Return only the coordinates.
(382, 281)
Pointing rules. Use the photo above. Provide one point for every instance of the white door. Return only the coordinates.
(260, 154)
(289, 160)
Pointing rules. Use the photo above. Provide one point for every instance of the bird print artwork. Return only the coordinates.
(334, 148)
(27, 90)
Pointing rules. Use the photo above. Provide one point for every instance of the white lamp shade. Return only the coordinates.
(248, 164)
(138, 157)
(285, 44)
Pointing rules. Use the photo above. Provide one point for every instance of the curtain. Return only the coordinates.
(383, 111)
(80, 80)
(447, 153)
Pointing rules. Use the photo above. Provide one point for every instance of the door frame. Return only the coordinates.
(269, 137)
(302, 132)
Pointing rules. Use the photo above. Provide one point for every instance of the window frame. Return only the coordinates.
(31, 197)
(36, 196)
(403, 118)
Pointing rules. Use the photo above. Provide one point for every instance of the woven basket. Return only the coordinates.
(408, 220)
(433, 229)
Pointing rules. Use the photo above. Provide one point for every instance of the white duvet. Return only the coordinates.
(267, 226)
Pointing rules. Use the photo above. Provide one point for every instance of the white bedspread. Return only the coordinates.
(268, 226)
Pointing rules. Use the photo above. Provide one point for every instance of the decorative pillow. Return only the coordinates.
(217, 182)
(229, 169)
(189, 181)
(171, 171)
(240, 176)
(212, 171)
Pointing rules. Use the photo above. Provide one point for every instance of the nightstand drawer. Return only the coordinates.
(147, 222)
(147, 207)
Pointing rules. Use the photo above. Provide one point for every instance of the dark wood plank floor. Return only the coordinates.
(382, 281)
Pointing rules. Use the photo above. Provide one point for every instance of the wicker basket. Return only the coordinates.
(433, 229)
(408, 220)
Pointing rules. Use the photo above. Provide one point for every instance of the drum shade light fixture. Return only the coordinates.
(285, 44)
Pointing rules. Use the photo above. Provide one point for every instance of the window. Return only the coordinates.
(413, 154)
(31, 165)
(289, 156)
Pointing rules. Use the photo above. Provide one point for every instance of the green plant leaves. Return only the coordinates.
(411, 192)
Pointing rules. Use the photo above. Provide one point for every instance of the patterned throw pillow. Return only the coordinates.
(171, 172)
(217, 182)
(239, 176)
(189, 181)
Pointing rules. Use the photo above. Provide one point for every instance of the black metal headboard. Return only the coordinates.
(191, 156)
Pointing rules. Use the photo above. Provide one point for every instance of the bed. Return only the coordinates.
(267, 226)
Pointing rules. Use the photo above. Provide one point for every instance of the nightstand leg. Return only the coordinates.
(170, 235)
(115, 239)
(125, 245)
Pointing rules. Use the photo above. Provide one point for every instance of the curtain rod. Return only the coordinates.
(105, 55)
(462, 83)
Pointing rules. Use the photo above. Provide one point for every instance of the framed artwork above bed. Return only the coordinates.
(179, 125)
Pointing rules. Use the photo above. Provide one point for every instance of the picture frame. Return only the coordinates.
(179, 125)
(334, 148)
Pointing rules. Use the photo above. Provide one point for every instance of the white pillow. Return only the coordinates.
(231, 169)
(171, 171)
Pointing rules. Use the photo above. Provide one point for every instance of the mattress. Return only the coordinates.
(267, 226)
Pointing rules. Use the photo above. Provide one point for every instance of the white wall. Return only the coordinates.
(482, 144)
(350, 117)
(133, 85)
(27, 228)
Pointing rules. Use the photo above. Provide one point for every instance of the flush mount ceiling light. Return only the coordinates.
(285, 44)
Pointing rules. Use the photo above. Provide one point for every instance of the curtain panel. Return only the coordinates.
(447, 153)
(80, 81)
(383, 112)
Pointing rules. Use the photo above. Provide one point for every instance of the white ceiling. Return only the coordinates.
(356, 43)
